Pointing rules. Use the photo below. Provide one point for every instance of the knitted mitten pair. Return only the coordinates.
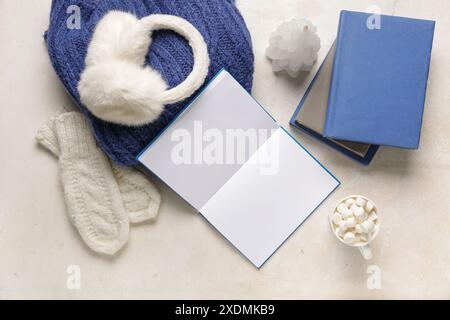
(101, 197)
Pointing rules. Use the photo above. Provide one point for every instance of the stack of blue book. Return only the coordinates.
(376, 80)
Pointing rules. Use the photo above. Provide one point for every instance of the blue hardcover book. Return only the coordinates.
(379, 80)
(312, 110)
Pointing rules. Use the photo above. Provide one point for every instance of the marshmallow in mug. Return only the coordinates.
(355, 220)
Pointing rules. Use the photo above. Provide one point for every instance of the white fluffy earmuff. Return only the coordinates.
(117, 87)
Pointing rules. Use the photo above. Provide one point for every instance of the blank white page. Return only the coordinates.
(257, 212)
(223, 105)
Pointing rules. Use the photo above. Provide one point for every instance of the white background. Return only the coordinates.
(181, 256)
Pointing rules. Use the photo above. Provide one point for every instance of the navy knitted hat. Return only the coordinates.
(219, 22)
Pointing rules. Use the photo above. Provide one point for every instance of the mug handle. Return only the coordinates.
(366, 252)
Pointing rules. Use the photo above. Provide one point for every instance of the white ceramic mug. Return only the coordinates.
(364, 247)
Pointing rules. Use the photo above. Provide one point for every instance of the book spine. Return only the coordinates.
(427, 72)
(328, 127)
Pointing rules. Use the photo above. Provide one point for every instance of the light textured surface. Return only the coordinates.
(181, 256)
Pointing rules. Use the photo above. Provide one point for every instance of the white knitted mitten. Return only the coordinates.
(90, 190)
(141, 198)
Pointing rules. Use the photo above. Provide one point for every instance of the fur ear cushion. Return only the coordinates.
(122, 92)
(119, 34)
(115, 86)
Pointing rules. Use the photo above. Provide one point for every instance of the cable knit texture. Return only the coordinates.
(219, 22)
(102, 198)
(90, 190)
(140, 197)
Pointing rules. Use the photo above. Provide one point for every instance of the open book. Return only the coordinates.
(228, 158)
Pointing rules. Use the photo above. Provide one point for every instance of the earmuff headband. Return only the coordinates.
(116, 86)
(199, 49)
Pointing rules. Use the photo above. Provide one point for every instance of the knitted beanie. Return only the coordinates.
(219, 22)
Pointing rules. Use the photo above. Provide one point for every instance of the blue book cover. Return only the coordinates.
(379, 80)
